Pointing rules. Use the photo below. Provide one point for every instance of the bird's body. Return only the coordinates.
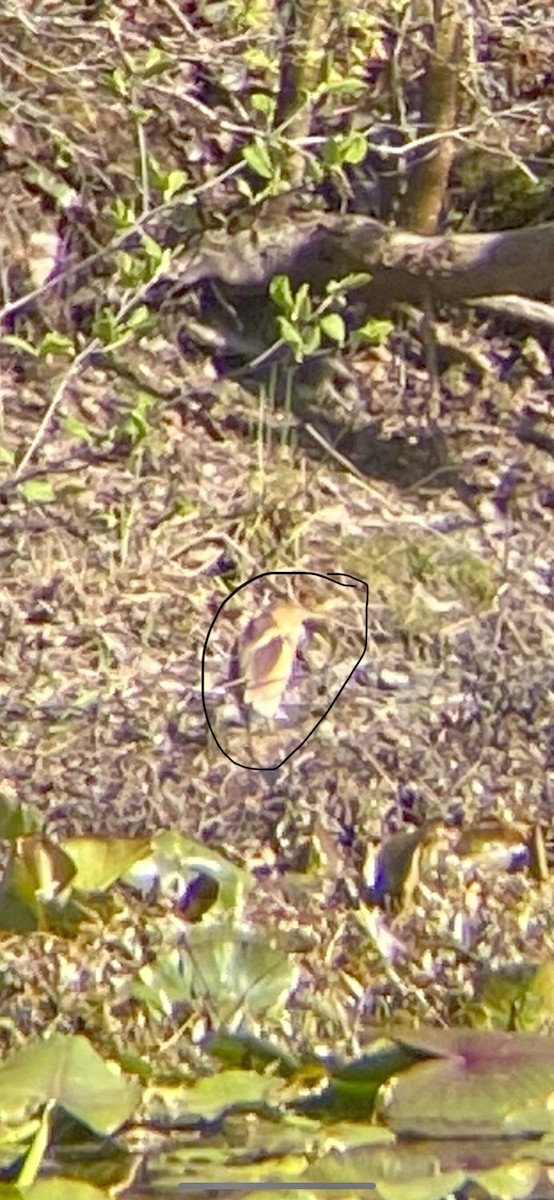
(266, 655)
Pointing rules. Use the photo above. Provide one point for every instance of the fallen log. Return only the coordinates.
(405, 267)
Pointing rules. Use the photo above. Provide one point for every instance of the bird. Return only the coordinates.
(266, 654)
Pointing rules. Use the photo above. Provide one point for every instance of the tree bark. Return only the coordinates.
(405, 267)
(423, 202)
(305, 43)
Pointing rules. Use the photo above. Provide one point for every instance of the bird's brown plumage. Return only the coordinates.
(267, 651)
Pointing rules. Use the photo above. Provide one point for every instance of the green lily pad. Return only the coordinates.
(234, 968)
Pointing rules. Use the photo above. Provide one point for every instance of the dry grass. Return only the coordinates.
(155, 510)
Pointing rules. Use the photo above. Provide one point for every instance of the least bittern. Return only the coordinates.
(266, 655)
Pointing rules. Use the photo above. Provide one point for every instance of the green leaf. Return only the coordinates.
(105, 327)
(259, 159)
(244, 1050)
(332, 152)
(77, 429)
(356, 279)
(262, 103)
(290, 334)
(36, 874)
(374, 331)
(123, 213)
(345, 148)
(39, 491)
(465, 1092)
(258, 59)
(37, 1150)
(243, 187)
(280, 291)
(119, 83)
(156, 61)
(354, 148)
(157, 173)
(19, 343)
(397, 1172)
(129, 269)
(334, 327)
(138, 318)
(311, 340)
(176, 180)
(177, 861)
(52, 185)
(151, 247)
(48, 1188)
(302, 306)
(56, 343)
(230, 966)
(16, 818)
(56, 1070)
(101, 861)
(348, 85)
(212, 1096)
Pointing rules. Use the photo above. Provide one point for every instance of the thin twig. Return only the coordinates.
(55, 402)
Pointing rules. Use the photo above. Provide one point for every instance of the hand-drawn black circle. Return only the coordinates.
(337, 576)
